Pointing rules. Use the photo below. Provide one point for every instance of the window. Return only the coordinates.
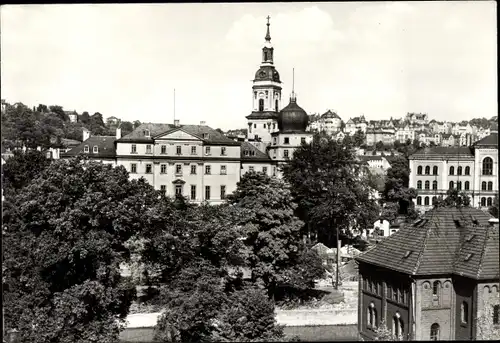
(459, 171)
(207, 192)
(435, 332)
(303, 140)
(434, 170)
(206, 136)
(274, 141)
(276, 105)
(264, 125)
(255, 95)
(489, 201)
(419, 200)
(372, 316)
(397, 325)
(163, 149)
(419, 170)
(434, 200)
(436, 285)
(451, 185)
(193, 169)
(146, 133)
(483, 201)
(223, 151)
(163, 189)
(464, 312)
(467, 170)
(86, 149)
(148, 149)
(286, 140)
(274, 171)
(434, 184)
(427, 170)
(467, 185)
(178, 150)
(427, 184)
(261, 105)
(496, 314)
(483, 185)
(193, 150)
(149, 168)
(419, 184)
(178, 169)
(178, 190)
(133, 149)
(251, 169)
(208, 170)
(452, 170)
(285, 153)
(193, 192)
(163, 169)
(133, 168)
(264, 170)
(459, 185)
(207, 150)
(95, 149)
(487, 166)
(426, 201)
(490, 184)
(254, 126)
(223, 170)
(223, 192)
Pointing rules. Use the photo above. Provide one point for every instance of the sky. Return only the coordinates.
(380, 59)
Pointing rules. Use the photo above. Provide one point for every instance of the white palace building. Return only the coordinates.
(197, 161)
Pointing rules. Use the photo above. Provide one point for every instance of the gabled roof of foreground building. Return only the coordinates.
(105, 146)
(447, 240)
(490, 141)
(154, 130)
(427, 152)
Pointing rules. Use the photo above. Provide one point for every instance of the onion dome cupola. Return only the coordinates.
(267, 72)
(293, 118)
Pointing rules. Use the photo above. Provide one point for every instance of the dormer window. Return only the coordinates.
(95, 149)
(206, 136)
(245, 152)
(86, 149)
(146, 133)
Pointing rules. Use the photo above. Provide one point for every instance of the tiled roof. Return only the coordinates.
(437, 244)
(371, 157)
(255, 154)
(105, 144)
(442, 151)
(330, 114)
(214, 137)
(263, 115)
(488, 141)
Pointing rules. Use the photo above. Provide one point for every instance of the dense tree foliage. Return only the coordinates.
(453, 197)
(330, 186)
(495, 208)
(21, 169)
(65, 234)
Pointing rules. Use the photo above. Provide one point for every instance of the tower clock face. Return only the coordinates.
(262, 74)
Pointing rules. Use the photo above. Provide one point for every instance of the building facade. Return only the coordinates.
(433, 279)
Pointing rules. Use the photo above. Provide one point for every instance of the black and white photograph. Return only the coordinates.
(250, 172)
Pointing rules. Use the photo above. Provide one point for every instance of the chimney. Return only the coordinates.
(493, 222)
(86, 134)
(118, 133)
(202, 122)
(176, 122)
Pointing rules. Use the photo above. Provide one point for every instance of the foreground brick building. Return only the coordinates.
(431, 280)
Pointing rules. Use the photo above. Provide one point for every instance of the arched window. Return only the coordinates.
(255, 95)
(397, 325)
(451, 185)
(483, 185)
(427, 184)
(276, 105)
(419, 170)
(435, 332)
(419, 200)
(436, 285)
(452, 170)
(496, 314)
(434, 199)
(467, 170)
(459, 185)
(261, 105)
(435, 170)
(419, 184)
(464, 312)
(265, 55)
(427, 170)
(490, 186)
(489, 202)
(426, 201)
(467, 185)
(483, 201)
(434, 184)
(487, 166)
(459, 170)
(372, 316)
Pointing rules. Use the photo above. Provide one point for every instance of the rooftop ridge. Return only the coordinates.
(483, 251)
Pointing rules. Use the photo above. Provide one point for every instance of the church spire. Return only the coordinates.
(293, 97)
(268, 35)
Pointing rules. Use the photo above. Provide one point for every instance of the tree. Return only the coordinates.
(382, 333)
(219, 131)
(271, 230)
(85, 117)
(126, 127)
(97, 126)
(359, 138)
(379, 146)
(329, 185)
(494, 209)
(58, 110)
(396, 187)
(42, 108)
(137, 124)
(487, 329)
(455, 198)
(21, 169)
(65, 236)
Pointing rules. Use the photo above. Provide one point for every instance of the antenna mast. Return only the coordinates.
(174, 105)
(293, 83)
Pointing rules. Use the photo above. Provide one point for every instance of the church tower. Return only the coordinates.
(266, 96)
